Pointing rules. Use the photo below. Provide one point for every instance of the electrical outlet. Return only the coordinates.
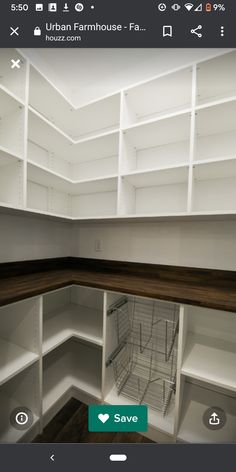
(98, 245)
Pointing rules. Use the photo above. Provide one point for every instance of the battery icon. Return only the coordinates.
(208, 7)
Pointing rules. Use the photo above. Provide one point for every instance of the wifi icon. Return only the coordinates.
(189, 6)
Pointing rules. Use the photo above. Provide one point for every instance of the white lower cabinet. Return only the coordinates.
(111, 348)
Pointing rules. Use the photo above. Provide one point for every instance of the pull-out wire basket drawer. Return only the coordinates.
(145, 360)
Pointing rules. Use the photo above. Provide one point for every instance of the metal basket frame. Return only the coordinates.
(145, 359)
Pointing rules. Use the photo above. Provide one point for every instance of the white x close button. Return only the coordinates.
(14, 31)
(15, 64)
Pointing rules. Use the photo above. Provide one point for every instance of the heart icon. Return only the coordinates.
(103, 418)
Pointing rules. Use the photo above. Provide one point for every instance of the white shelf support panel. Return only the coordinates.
(192, 137)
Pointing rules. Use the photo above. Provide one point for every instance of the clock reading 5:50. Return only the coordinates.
(19, 7)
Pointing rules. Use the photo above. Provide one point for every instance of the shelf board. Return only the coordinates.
(196, 400)
(49, 123)
(8, 103)
(210, 360)
(178, 216)
(214, 160)
(46, 176)
(155, 418)
(166, 176)
(215, 102)
(108, 184)
(72, 321)
(65, 367)
(98, 135)
(8, 157)
(11, 94)
(215, 170)
(161, 132)
(159, 118)
(14, 359)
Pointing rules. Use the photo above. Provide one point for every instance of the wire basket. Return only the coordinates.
(145, 360)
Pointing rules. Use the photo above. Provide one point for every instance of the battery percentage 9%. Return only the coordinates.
(219, 7)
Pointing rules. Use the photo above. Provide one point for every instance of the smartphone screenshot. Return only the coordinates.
(117, 235)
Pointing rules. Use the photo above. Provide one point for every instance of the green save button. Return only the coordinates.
(117, 418)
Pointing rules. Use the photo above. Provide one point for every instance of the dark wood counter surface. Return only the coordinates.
(201, 287)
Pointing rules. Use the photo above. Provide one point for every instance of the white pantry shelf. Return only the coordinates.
(196, 401)
(44, 176)
(11, 179)
(163, 191)
(13, 359)
(215, 131)
(70, 321)
(167, 94)
(66, 367)
(216, 78)
(11, 124)
(97, 117)
(19, 337)
(121, 155)
(162, 143)
(214, 186)
(211, 360)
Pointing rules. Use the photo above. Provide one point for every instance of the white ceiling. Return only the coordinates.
(87, 74)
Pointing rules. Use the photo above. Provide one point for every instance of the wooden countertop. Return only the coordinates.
(202, 287)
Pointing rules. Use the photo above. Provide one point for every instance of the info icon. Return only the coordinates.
(21, 418)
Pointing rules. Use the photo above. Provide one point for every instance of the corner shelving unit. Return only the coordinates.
(95, 118)
(142, 152)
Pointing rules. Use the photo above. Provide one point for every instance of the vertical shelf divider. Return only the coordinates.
(104, 332)
(25, 164)
(192, 137)
(41, 363)
(120, 155)
(179, 378)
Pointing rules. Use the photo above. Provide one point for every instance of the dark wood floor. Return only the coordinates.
(70, 425)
